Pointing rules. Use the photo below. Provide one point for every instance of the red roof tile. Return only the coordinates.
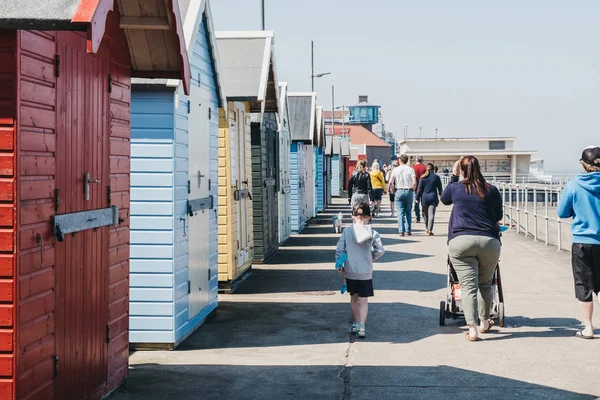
(361, 135)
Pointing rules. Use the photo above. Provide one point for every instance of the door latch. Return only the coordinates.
(200, 176)
(183, 219)
(86, 185)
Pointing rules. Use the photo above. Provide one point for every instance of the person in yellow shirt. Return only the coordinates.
(378, 184)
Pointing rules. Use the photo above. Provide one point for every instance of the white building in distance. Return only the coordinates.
(497, 155)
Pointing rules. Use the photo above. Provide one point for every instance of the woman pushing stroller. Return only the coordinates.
(474, 240)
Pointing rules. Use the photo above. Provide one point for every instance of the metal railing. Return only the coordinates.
(525, 206)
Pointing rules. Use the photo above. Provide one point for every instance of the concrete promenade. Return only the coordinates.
(283, 335)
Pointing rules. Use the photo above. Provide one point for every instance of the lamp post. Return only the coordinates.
(343, 107)
(420, 132)
(312, 66)
(262, 14)
(436, 133)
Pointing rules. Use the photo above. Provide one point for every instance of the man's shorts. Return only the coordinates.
(586, 270)
(392, 197)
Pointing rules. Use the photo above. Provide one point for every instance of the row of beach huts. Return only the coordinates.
(147, 161)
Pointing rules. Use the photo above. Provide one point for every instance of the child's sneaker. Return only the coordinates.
(354, 328)
(361, 334)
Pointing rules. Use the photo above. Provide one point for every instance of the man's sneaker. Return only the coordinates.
(354, 328)
(361, 334)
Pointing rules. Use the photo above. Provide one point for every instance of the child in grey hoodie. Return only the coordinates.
(362, 246)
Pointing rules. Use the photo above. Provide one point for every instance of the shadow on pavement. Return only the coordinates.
(329, 382)
(287, 255)
(299, 281)
(307, 241)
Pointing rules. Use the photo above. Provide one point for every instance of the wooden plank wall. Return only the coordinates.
(265, 208)
(227, 212)
(7, 201)
(119, 122)
(152, 214)
(36, 172)
(321, 189)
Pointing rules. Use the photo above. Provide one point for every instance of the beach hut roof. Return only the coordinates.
(154, 31)
(193, 12)
(249, 72)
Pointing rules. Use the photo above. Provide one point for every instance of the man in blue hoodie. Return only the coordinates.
(581, 200)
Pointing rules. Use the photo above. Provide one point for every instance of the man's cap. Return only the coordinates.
(591, 155)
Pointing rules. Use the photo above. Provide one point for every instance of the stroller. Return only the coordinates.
(452, 307)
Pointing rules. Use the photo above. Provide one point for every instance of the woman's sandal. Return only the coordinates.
(491, 325)
(471, 339)
(580, 335)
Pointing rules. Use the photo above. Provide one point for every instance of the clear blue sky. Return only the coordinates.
(529, 69)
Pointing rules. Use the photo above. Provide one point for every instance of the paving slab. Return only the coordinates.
(283, 334)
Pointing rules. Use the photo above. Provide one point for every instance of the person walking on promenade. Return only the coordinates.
(404, 183)
(378, 185)
(420, 169)
(362, 246)
(428, 192)
(359, 185)
(474, 240)
(581, 201)
(388, 177)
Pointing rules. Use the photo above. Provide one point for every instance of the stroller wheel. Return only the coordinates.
(501, 315)
(442, 313)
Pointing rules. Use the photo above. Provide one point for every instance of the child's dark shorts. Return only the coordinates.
(362, 288)
(586, 270)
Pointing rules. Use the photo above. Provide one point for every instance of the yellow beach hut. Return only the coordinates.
(251, 89)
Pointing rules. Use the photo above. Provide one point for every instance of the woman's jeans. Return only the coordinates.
(404, 201)
(474, 259)
(429, 215)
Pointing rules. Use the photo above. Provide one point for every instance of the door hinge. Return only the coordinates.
(109, 191)
(107, 333)
(189, 105)
(209, 113)
(56, 365)
(209, 274)
(109, 83)
(209, 184)
(189, 187)
(189, 287)
(57, 66)
(56, 199)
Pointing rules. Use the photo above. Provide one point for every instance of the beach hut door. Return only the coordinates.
(82, 179)
(240, 135)
(200, 203)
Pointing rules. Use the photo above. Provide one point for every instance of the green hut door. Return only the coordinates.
(199, 192)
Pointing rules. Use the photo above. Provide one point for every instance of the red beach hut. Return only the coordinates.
(65, 69)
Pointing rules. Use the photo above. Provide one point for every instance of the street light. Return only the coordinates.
(436, 133)
(312, 66)
(343, 107)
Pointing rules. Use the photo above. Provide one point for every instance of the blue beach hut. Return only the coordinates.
(174, 151)
(302, 109)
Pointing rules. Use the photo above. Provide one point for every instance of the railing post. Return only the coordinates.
(546, 212)
(518, 211)
(510, 209)
(503, 204)
(526, 211)
(535, 215)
